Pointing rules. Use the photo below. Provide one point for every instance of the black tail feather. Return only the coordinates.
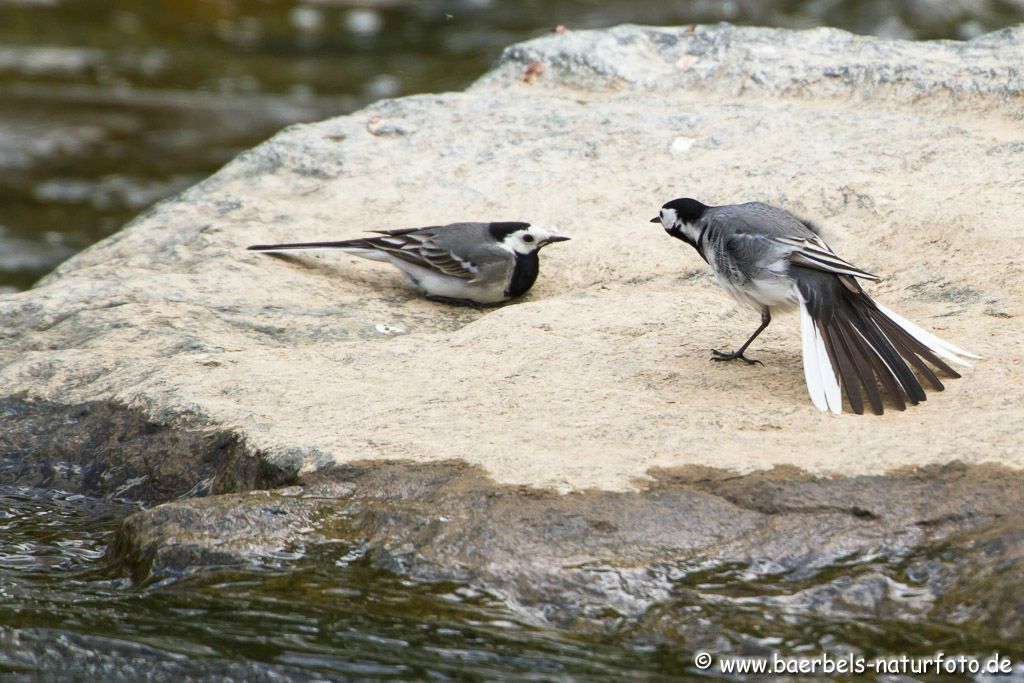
(883, 345)
(910, 353)
(918, 349)
(880, 369)
(870, 353)
(840, 358)
(863, 367)
(346, 244)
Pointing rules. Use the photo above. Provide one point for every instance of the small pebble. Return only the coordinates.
(388, 330)
(682, 145)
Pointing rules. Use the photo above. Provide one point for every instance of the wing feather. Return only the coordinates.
(421, 249)
(818, 255)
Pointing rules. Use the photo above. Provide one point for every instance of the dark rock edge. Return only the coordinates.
(580, 560)
(106, 449)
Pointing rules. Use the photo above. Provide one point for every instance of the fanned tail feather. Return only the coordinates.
(818, 371)
(941, 347)
(851, 342)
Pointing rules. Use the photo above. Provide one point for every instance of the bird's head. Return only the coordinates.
(523, 238)
(680, 218)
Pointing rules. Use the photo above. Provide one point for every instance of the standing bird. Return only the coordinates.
(477, 263)
(769, 259)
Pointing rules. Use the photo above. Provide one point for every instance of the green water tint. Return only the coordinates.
(324, 611)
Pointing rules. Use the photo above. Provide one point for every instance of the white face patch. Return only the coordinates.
(670, 220)
(527, 240)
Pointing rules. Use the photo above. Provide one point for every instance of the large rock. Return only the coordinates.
(251, 371)
(939, 544)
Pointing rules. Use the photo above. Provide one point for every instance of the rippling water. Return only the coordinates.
(66, 611)
(324, 612)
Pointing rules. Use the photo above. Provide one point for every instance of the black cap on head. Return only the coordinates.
(500, 230)
(687, 210)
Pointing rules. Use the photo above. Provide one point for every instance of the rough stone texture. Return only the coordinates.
(909, 154)
(906, 153)
(104, 449)
(823, 63)
(592, 559)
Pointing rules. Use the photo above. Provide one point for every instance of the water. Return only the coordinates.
(324, 612)
(109, 105)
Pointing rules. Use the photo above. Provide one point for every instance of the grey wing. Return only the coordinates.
(814, 253)
(756, 224)
(432, 248)
(470, 244)
(738, 250)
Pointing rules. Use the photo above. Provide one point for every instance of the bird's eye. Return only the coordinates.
(528, 238)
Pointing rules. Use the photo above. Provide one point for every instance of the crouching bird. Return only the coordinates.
(769, 259)
(461, 263)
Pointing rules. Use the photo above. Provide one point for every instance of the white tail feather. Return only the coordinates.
(811, 374)
(828, 376)
(939, 347)
(822, 384)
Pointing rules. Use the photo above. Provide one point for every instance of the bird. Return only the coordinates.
(769, 259)
(460, 263)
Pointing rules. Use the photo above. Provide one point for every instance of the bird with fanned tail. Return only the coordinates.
(769, 259)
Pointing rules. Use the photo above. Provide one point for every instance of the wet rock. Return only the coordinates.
(104, 449)
(597, 559)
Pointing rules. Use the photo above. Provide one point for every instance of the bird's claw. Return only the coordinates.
(719, 356)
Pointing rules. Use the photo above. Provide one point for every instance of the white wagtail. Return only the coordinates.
(481, 263)
(769, 259)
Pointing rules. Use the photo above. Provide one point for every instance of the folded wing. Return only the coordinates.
(814, 253)
(416, 246)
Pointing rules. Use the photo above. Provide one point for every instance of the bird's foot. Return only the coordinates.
(719, 356)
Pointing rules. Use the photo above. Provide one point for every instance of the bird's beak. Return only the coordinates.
(556, 238)
(656, 219)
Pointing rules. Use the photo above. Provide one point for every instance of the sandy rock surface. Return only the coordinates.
(909, 155)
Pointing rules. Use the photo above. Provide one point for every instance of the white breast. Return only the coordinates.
(774, 289)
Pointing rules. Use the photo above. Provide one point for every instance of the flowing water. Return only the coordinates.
(107, 106)
(324, 612)
(306, 615)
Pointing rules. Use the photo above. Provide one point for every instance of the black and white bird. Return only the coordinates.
(769, 259)
(479, 263)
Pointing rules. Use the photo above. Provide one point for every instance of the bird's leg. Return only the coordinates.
(766, 317)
